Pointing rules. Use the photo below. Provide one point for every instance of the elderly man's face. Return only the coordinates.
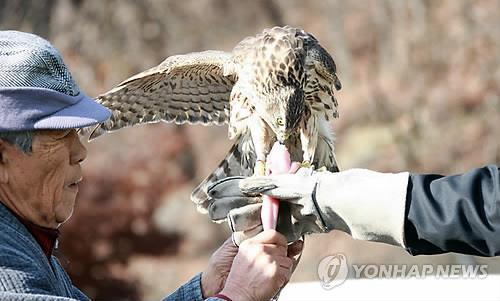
(42, 186)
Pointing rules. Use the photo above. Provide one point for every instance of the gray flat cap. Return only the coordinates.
(37, 90)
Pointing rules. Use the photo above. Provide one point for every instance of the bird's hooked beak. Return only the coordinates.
(282, 138)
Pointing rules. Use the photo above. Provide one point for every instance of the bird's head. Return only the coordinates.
(283, 110)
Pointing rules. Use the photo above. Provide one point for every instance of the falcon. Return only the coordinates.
(275, 86)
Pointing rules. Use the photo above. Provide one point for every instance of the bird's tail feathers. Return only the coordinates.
(239, 162)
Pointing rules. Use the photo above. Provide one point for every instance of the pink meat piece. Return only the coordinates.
(278, 162)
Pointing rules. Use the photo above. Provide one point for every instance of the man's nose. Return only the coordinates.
(78, 151)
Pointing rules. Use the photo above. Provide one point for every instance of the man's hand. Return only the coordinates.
(261, 267)
(214, 277)
(219, 265)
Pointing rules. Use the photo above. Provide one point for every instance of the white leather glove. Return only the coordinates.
(241, 205)
(366, 204)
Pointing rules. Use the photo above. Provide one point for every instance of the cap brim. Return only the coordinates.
(85, 112)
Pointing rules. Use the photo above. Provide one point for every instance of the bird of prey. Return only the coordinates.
(275, 86)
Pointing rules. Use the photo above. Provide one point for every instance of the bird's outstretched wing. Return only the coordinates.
(188, 88)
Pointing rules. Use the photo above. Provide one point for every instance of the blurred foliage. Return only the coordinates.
(421, 82)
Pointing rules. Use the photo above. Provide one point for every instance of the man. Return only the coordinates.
(424, 213)
(40, 156)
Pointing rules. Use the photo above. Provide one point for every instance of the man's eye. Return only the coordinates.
(279, 121)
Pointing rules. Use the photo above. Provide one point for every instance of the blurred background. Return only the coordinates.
(421, 82)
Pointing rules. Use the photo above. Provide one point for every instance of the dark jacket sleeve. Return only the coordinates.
(459, 213)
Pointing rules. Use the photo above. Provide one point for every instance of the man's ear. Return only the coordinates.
(4, 175)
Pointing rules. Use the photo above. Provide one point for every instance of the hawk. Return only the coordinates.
(275, 86)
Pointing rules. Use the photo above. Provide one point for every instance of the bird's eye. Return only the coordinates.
(279, 121)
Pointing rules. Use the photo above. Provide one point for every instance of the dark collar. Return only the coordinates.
(45, 237)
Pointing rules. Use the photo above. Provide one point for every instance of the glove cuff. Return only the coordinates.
(322, 224)
(369, 205)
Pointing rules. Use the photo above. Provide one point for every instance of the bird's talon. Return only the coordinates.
(306, 164)
(260, 168)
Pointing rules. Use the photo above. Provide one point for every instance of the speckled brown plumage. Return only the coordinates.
(277, 85)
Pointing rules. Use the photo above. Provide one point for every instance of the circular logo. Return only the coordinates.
(333, 270)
